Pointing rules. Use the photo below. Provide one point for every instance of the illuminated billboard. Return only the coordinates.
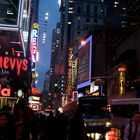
(9, 12)
(84, 63)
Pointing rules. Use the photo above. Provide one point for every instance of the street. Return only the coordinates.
(114, 134)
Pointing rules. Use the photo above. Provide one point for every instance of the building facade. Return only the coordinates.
(111, 23)
(14, 39)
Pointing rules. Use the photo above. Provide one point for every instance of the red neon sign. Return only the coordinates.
(35, 90)
(12, 63)
(5, 92)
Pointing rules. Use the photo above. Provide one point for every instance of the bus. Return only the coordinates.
(95, 113)
(122, 110)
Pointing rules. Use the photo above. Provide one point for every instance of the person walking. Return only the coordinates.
(50, 128)
(76, 129)
(7, 131)
(26, 124)
(132, 129)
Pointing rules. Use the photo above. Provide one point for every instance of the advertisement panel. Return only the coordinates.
(84, 63)
(9, 12)
(13, 64)
(10, 44)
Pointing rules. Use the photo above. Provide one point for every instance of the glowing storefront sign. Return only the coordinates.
(35, 90)
(34, 98)
(12, 63)
(5, 92)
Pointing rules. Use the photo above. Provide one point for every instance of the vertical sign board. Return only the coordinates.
(122, 71)
(10, 13)
(84, 63)
(34, 47)
(74, 72)
(69, 80)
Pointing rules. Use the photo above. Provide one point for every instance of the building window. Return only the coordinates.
(78, 27)
(78, 9)
(88, 20)
(88, 9)
(87, 28)
(79, 18)
(102, 12)
(70, 12)
(95, 8)
(95, 20)
(78, 32)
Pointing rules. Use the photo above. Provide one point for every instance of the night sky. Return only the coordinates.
(50, 6)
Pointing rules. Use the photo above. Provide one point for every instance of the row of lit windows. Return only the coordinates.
(97, 10)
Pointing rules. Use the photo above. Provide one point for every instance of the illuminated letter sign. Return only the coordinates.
(34, 42)
(122, 70)
(35, 90)
(5, 92)
(11, 63)
(34, 47)
(122, 82)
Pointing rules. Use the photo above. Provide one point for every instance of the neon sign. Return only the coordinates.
(122, 82)
(35, 90)
(5, 92)
(34, 42)
(122, 71)
(34, 48)
(69, 87)
(12, 63)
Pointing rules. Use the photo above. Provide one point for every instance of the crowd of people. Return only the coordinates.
(22, 123)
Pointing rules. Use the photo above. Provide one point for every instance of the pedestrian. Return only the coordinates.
(7, 131)
(132, 129)
(62, 125)
(50, 128)
(76, 129)
(25, 122)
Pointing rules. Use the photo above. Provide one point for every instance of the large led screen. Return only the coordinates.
(9, 10)
(84, 63)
